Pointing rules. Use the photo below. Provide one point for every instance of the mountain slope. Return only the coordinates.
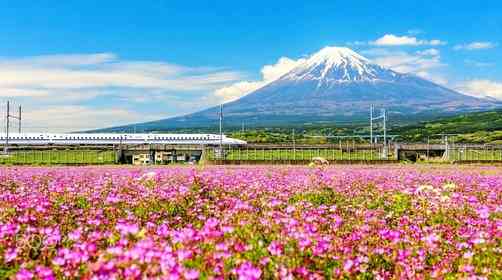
(334, 84)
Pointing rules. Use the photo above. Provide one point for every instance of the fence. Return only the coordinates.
(331, 153)
(469, 153)
(59, 157)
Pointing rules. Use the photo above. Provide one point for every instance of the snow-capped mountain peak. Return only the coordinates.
(338, 64)
(337, 56)
(330, 85)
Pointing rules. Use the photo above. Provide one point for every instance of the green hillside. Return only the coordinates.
(480, 127)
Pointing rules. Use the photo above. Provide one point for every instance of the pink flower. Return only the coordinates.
(184, 254)
(191, 274)
(239, 247)
(247, 271)
(348, 264)
(44, 273)
(484, 212)
(132, 271)
(10, 254)
(431, 239)
(75, 235)
(125, 228)
(275, 248)
(24, 274)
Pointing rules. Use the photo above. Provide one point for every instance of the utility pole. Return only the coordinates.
(8, 116)
(384, 113)
(5, 148)
(446, 148)
(19, 119)
(371, 125)
(221, 130)
(294, 145)
(428, 147)
(383, 116)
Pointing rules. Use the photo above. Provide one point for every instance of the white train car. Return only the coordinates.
(114, 138)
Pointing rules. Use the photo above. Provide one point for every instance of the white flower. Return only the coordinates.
(147, 176)
(425, 188)
(450, 186)
(444, 198)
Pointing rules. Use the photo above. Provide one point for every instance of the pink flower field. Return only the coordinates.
(356, 222)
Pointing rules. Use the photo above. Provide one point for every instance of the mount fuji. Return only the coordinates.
(334, 84)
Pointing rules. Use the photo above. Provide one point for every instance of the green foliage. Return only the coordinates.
(478, 127)
(82, 202)
(399, 205)
(7, 272)
(325, 196)
(378, 262)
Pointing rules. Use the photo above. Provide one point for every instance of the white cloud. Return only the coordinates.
(423, 63)
(237, 90)
(60, 60)
(68, 118)
(476, 63)
(431, 52)
(16, 92)
(269, 73)
(482, 88)
(65, 74)
(395, 40)
(475, 46)
(415, 31)
(283, 65)
(62, 83)
(436, 78)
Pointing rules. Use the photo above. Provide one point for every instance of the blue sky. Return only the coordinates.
(85, 64)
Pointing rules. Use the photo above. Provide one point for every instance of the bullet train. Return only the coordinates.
(113, 138)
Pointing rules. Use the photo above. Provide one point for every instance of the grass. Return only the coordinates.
(59, 157)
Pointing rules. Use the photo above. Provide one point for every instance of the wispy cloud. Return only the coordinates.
(476, 63)
(395, 40)
(269, 73)
(475, 46)
(415, 31)
(104, 70)
(481, 88)
(62, 83)
(69, 118)
(423, 63)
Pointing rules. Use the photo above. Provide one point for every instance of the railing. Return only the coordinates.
(42, 157)
(470, 153)
(331, 153)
